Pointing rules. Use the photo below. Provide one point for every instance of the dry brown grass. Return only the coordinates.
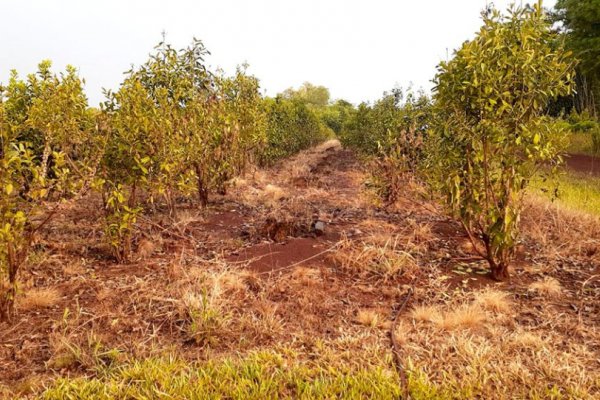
(301, 165)
(467, 316)
(527, 340)
(493, 300)
(561, 232)
(549, 287)
(426, 313)
(39, 298)
(368, 318)
(468, 344)
(386, 260)
(411, 236)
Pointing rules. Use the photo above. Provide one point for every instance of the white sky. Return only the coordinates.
(357, 49)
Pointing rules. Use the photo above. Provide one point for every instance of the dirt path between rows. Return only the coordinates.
(583, 163)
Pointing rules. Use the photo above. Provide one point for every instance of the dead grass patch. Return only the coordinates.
(469, 344)
(561, 232)
(549, 287)
(368, 318)
(522, 339)
(39, 298)
(385, 260)
(426, 313)
(467, 316)
(302, 165)
(493, 300)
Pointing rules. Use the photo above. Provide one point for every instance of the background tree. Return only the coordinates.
(493, 135)
(581, 27)
(336, 115)
(291, 126)
(392, 132)
(241, 126)
(317, 96)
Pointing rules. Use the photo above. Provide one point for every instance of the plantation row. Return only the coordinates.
(485, 133)
(173, 129)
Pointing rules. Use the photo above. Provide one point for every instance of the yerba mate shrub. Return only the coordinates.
(174, 128)
(493, 136)
(46, 155)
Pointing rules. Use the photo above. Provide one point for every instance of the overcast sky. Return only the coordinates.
(357, 49)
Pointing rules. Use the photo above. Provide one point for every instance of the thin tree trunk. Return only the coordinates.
(126, 239)
(170, 197)
(500, 271)
(45, 157)
(202, 188)
(8, 291)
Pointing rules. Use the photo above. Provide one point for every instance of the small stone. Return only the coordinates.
(354, 232)
(319, 228)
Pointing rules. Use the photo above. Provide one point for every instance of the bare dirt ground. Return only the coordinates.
(255, 271)
(584, 164)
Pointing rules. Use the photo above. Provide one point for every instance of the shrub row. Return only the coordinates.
(486, 131)
(173, 128)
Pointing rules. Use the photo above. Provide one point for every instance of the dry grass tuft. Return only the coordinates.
(39, 298)
(425, 313)
(527, 340)
(493, 300)
(204, 314)
(233, 281)
(549, 287)
(385, 260)
(274, 193)
(368, 318)
(306, 276)
(467, 316)
(264, 320)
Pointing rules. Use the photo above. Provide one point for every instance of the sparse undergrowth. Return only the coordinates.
(466, 348)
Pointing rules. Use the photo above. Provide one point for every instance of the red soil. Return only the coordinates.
(275, 257)
(584, 164)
